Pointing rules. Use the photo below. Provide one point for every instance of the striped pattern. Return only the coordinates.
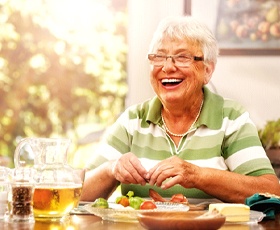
(223, 137)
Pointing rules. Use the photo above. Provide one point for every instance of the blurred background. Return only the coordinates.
(62, 71)
(68, 68)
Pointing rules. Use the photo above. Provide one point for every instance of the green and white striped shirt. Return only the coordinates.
(224, 137)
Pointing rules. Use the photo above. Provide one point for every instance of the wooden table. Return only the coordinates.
(87, 222)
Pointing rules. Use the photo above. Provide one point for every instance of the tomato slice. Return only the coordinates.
(148, 204)
(155, 196)
(178, 198)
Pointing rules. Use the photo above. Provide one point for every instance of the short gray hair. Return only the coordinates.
(187, 27)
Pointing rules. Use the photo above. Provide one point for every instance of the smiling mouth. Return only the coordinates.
(171, 82)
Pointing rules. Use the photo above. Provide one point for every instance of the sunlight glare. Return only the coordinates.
(75, 16)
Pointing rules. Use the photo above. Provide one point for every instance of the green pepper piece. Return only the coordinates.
(135, 202)
(130, 194)
(100, 203)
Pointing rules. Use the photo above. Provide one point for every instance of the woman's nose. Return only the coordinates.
(169, 65)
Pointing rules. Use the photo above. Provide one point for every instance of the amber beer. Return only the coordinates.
(55, 202)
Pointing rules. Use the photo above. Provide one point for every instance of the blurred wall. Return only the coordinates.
(144, 16)
(254, 81)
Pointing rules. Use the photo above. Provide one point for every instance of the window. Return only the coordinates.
(63, 69)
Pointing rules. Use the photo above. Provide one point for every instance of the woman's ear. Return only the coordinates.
(209, 69)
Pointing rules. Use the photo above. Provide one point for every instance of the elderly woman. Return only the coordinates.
(186, 139)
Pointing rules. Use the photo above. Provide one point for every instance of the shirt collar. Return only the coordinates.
(211, 113)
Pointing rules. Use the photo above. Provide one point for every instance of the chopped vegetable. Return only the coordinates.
(178, 198)
(100, 203)
(135, 202)
(148, 204)
(156, 197)
(130, 194)
(128, 200)
(123, 200)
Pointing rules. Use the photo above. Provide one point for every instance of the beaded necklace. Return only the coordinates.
(183, 134)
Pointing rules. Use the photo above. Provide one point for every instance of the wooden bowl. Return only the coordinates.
(180, 220)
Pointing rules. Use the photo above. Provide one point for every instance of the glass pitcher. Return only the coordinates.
(57, 185)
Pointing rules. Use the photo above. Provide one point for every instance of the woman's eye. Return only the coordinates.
(160, 56)
(182, 58)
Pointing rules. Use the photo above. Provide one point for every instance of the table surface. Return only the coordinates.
(88, 221)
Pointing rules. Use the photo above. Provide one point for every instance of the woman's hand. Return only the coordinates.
(128, 170)
(176, 170)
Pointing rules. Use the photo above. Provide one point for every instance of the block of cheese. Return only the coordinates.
(233, 212)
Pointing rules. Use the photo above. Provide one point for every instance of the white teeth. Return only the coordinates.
(170, 80)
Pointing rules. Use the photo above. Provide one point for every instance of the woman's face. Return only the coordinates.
(175, 84)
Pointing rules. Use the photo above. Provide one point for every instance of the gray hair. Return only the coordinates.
(187, 27)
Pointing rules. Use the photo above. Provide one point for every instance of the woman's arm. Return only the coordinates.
(232, 187)
(99, 182)
(224, 185)
(102, 181)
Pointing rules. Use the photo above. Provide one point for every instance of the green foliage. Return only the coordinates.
(53, 81)
(270, 134)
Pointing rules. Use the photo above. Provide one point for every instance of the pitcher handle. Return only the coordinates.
(17, 161)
